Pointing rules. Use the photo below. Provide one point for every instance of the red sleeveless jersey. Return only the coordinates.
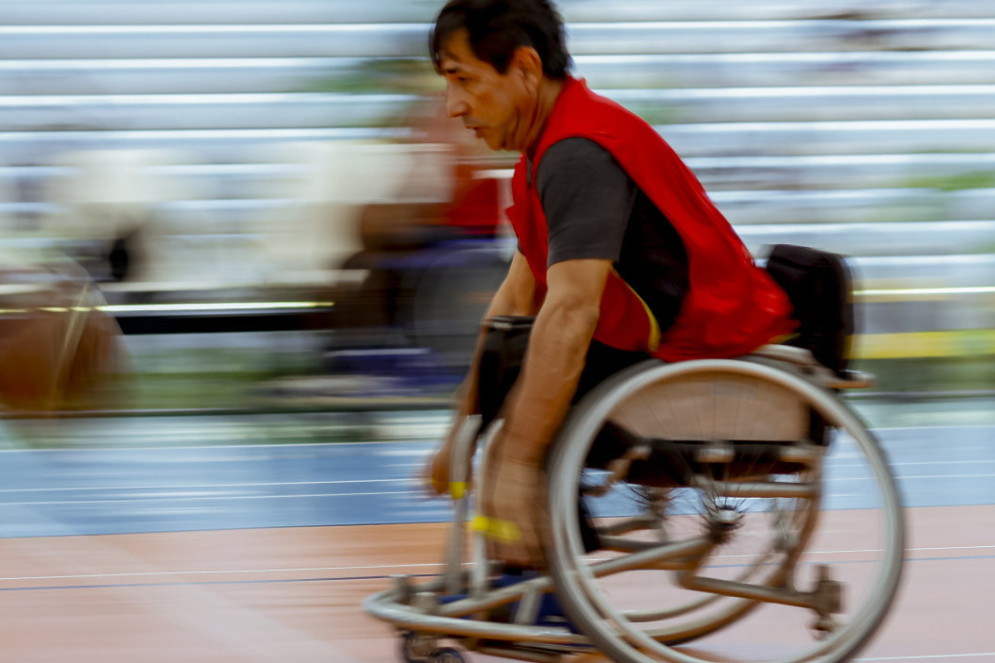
(732, 306)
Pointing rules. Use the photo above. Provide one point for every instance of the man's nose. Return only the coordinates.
(456, 106)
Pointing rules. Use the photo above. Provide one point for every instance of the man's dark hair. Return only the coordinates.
(498, 27)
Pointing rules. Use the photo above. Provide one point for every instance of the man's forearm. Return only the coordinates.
(555, 359)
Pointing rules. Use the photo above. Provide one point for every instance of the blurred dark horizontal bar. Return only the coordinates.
(200, 322)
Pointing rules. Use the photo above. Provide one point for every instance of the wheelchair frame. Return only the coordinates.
(454, 606)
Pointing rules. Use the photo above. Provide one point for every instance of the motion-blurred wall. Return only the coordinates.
(242, 136)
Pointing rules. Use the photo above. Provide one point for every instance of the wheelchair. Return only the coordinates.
(742, 513)
(417, 315)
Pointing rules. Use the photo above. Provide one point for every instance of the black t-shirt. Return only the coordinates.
(595, 210)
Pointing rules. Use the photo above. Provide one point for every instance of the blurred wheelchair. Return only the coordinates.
(415, 314)
(695, 515)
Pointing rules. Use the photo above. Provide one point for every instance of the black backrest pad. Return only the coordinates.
(818, 284)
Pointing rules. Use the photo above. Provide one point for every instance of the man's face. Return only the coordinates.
(495, 106)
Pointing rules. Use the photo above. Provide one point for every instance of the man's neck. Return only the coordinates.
(549, 92)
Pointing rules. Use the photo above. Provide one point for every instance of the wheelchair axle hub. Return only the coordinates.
(723, 521)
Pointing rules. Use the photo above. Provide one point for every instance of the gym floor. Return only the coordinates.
(265, 552)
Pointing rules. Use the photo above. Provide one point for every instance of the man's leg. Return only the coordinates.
(602, 363)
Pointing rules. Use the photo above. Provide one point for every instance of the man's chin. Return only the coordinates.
(493, 142)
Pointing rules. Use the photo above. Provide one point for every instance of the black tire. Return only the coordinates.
(448, 655)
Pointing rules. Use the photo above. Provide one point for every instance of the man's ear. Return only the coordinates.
(525, 62)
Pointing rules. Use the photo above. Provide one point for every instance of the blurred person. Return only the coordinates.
(621, 254)
(420, 215)
(391, 233)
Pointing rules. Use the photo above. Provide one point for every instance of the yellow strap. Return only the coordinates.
(457, 489)
(653, 342)
(502, 531)
(783, 338)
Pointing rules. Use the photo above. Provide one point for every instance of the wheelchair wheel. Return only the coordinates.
(736, 503)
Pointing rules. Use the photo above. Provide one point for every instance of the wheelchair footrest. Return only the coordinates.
(547, 611)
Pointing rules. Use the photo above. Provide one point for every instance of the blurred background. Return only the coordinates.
(271, 214)
(234, 231)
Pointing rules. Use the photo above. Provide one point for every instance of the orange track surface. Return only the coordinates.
(293, 595)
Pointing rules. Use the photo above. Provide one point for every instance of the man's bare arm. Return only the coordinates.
(558, 346)
(516, 295)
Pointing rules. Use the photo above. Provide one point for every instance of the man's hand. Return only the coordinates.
(511, 506)
(437, 471)
(512, 491)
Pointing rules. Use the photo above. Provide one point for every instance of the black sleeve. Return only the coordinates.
(587, 199)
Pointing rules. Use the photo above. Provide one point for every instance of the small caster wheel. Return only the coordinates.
(415, 648)
(447, 655)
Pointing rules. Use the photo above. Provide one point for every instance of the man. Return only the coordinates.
(621, 255)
